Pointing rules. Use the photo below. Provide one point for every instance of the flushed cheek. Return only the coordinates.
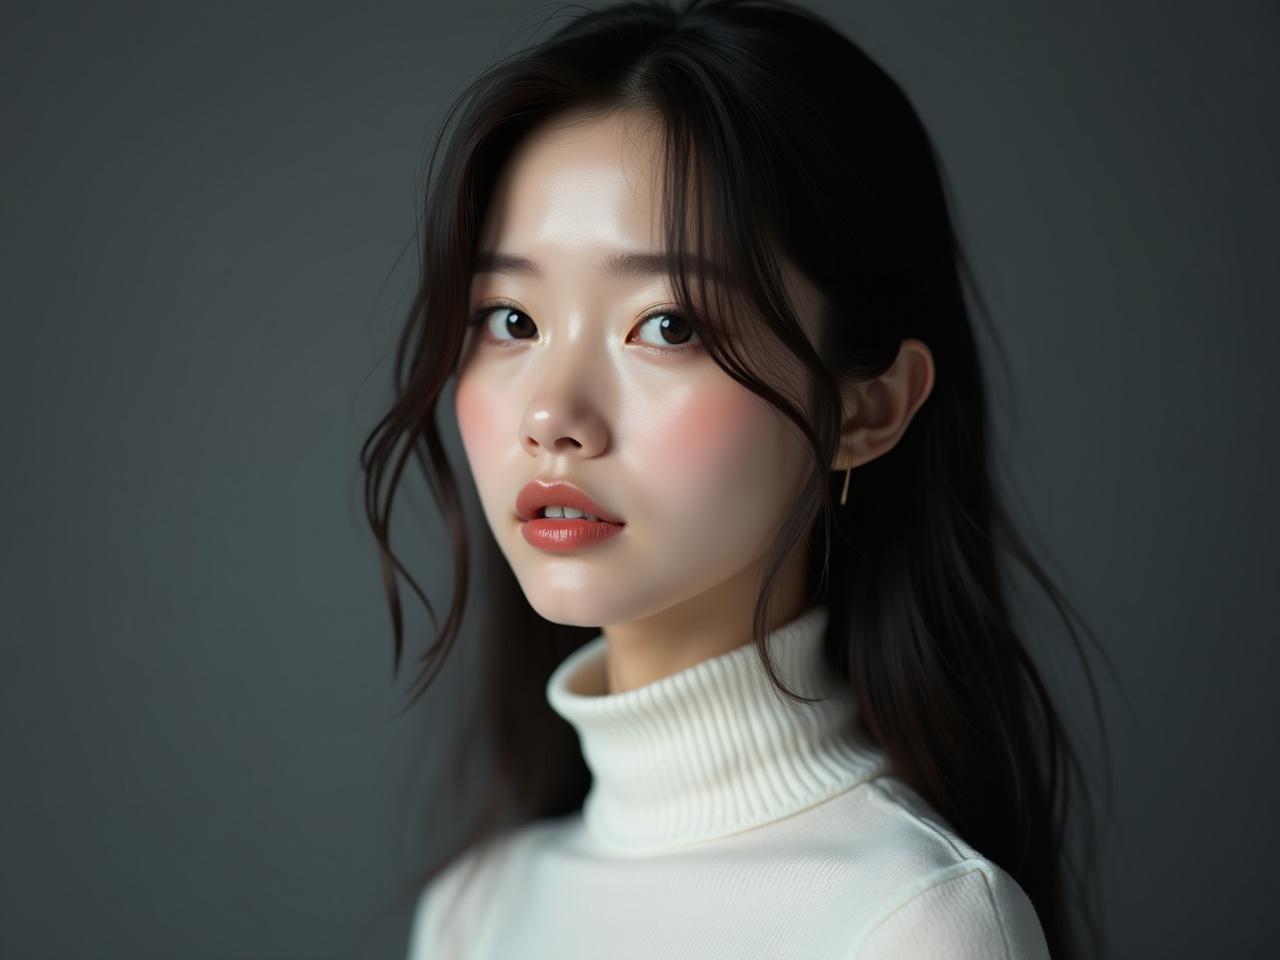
(479, 412)
(707, 436)
(701, 465)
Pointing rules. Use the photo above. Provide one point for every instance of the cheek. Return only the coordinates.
(478, 425)
(707, 438)
(709, 456)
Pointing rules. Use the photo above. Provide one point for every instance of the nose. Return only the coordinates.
(560, 418)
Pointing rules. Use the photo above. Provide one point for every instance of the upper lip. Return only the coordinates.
(537, 494)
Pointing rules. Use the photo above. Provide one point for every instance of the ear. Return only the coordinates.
(877, 412)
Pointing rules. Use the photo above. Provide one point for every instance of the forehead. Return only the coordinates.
(582, 180)
(592, 184)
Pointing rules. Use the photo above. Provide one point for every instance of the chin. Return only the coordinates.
(568, 611)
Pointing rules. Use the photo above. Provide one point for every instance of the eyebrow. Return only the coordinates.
(616, 265)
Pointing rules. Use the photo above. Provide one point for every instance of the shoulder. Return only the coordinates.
(943, 898)
(436, 901)
(970, 911)
(465, 890)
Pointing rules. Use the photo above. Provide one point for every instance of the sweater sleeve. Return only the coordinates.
(969, 911)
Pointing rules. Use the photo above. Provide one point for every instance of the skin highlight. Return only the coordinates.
(699, 467)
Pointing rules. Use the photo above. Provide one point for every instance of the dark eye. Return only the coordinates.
(508, 320)
(673, 329)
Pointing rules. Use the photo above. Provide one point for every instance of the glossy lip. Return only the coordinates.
(564, 536)
(537, 494)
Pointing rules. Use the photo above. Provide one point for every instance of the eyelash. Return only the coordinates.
(488, 308)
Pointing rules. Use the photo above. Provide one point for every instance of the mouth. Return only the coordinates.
(566, 513)
(558, 516)
(560, 499)
(563, 534)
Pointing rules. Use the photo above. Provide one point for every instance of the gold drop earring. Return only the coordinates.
(845, 491)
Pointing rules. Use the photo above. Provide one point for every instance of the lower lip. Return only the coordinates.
(563, 536)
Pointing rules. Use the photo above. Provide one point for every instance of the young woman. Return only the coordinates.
(753, 686)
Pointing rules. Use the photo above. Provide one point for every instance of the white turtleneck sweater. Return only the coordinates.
(722, 822)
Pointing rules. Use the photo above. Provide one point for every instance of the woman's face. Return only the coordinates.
(582, 387)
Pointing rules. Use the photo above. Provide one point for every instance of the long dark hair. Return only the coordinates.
(782, 139)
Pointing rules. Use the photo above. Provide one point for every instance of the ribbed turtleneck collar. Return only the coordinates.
(712, 749)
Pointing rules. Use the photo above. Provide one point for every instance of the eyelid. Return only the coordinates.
(675, 310)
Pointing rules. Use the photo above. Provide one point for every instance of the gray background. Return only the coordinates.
(204, 210)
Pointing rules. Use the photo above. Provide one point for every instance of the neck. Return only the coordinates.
(640, 652)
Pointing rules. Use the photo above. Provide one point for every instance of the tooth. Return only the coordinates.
(568, 513)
